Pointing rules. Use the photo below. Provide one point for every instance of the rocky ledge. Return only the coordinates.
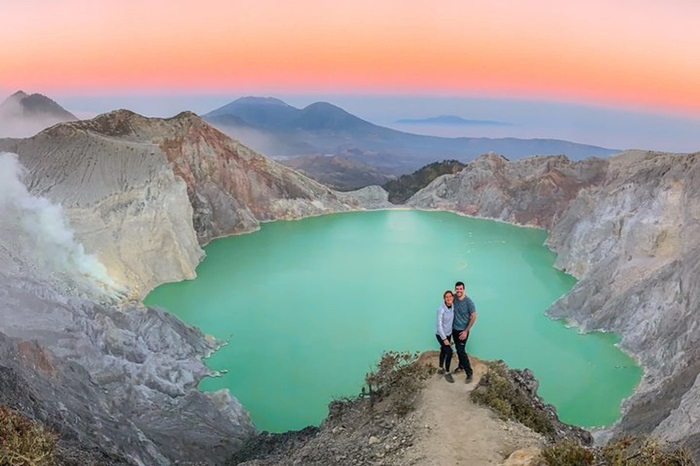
(440, 424)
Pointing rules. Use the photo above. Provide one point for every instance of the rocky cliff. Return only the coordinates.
(144, 193)
(532, 191)
(102, 211)
(119, 384)
(627, 228)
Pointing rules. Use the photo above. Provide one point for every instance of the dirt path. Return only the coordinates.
(455, 431)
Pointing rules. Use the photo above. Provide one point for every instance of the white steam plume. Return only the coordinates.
(36, 234)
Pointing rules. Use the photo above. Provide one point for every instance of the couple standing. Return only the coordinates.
(455, 318)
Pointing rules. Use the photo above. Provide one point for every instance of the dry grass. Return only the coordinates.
(399, 377)
(628, 451)
(496, 391)
(635, 451)
(24, 442)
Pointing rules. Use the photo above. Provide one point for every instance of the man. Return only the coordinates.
(464, 318)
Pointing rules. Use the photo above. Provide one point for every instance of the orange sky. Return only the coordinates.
(638, 53)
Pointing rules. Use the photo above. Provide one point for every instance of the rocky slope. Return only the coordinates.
(532, 191)
(338, 171)
(144, 193)
(104, 210)
(117, 383)
(627, 228)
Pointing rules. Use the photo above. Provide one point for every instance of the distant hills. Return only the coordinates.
(401, 189)
(299, 136)
(452, 120)
(338, 171)
(23, 114)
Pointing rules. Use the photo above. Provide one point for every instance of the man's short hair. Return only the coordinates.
(459, 284)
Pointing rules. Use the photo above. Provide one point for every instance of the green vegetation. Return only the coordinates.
(398, 378)
(24, 442)
(627, 451)
(497, 391)
(568, 452)
(407, 185)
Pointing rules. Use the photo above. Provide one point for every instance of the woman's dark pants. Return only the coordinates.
(445, 353)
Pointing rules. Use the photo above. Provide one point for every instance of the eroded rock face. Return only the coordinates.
(532, 191)
(635, 243)
(118, 382)
(369, 197)
(628, 229)
(144, 193)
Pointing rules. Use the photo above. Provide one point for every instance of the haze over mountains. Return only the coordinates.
(280, 130)
(23, 115)
(321, 140)
(451, 120)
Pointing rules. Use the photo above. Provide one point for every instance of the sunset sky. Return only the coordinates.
(629, 55)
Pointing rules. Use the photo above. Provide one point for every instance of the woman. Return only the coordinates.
(443, 333)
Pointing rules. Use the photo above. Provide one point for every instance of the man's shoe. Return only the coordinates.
(469, 379)
(441, 371)
(449, 377)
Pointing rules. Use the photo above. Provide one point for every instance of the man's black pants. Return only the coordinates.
(460, 346)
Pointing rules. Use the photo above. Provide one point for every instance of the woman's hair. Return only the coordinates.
(446, 293)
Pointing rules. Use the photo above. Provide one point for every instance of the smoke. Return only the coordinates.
(14, 124)
(260, 141)
(37, 236)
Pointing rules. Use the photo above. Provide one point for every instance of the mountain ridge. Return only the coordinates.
(284, 132)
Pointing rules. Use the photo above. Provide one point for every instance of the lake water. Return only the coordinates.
(309, 306)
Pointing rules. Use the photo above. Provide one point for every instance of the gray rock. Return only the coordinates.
(122, 381)
(370, 197)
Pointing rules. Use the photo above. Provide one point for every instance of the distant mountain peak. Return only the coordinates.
(253, 100)
(23, 105)
(255, 112)
(324, 107)
(19, 95)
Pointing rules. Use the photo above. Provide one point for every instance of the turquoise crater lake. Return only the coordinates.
(309, 306)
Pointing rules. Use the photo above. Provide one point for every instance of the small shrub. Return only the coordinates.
(24, 442)
(627, 451)
(398, 376)
(568, 452)
(631, 451)
(496, 391)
